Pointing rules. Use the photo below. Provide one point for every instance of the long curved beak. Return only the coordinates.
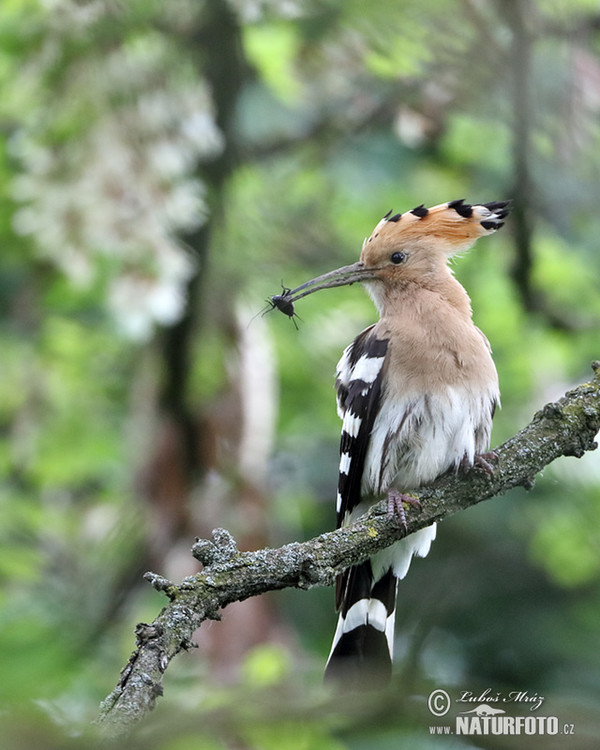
(340, 277)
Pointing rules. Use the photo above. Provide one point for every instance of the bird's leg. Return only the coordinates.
(396, 501)
(482, 461)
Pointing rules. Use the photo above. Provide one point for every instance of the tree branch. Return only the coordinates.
(565, 428)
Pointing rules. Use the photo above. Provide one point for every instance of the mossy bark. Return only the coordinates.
(565, 428)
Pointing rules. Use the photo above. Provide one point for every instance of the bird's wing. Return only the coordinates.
(358, 384)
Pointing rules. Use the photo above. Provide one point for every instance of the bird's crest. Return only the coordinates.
(454, 226)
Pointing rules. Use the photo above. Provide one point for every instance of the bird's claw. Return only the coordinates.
(396, 502)
(482, 462)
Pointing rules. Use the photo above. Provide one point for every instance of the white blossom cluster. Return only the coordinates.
(111, 199)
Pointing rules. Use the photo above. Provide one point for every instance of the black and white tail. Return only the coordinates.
(362, 648)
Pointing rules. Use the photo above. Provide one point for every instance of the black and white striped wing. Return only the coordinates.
(366, 605)
(359, 382)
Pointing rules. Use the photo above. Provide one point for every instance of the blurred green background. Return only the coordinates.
(164, 168)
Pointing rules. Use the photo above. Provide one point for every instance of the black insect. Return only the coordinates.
(283, 304)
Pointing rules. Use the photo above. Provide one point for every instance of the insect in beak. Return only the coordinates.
(343, 276)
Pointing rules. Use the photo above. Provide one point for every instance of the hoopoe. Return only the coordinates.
(416, 393)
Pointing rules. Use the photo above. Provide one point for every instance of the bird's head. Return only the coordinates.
(412, 246)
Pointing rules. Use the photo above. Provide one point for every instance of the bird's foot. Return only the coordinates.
(396, 502)
(482, 462)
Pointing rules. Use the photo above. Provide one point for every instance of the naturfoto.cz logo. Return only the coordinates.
(489, 714)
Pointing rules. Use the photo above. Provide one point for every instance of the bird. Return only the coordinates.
(416, 393)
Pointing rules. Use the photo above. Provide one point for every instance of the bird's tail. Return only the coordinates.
(362, 649)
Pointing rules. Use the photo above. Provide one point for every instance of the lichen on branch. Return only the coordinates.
(567, 427)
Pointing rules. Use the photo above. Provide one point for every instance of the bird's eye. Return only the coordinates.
(398, 257)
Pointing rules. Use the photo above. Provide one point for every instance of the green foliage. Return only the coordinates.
(112, 131)
(265, 666)
(272, 49)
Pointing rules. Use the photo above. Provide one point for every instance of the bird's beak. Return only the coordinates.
(340, 277)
